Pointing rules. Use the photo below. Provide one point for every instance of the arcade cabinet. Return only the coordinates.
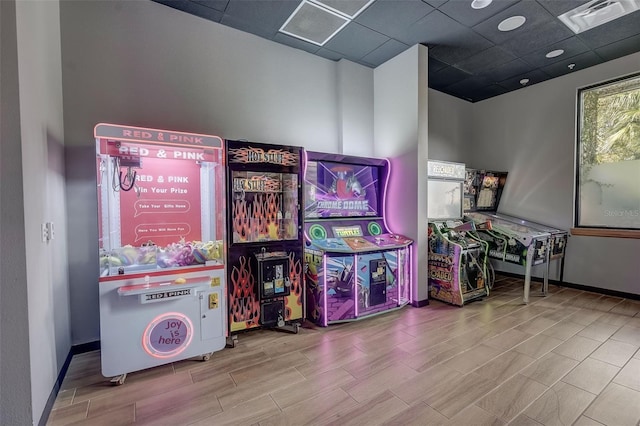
(512, 239)
(161, 230)
(356, 267)
(265, 279)
(457, 261)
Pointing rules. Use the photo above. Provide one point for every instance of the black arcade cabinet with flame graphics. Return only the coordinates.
(162, 286)
(265, 237)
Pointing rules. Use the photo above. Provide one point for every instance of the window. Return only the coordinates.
(608, 160)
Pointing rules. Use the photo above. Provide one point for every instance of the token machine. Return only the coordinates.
(356, 267)
(457, 258)
(265, 237)
(161, 230)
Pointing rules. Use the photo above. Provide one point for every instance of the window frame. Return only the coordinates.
(595, 230)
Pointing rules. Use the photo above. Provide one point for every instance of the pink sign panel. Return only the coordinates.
(165, 208)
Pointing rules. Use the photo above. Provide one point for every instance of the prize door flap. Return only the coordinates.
(211, 314)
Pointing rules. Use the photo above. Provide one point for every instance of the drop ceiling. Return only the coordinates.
(469, 57)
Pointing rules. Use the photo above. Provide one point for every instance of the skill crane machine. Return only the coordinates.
(355, 266)
(265, 237)
(161, 232)
(457, 258)
(512, 240)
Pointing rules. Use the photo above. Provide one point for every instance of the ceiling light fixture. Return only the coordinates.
(480, 4)
(512, 23)
(524, 81)
(571, 66)
(554, 53)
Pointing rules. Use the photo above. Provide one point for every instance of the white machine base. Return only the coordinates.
(150, 321)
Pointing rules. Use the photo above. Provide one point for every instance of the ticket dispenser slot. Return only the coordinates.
(378, 282)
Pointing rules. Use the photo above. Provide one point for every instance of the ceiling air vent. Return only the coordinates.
(313, 23)
(597, 12)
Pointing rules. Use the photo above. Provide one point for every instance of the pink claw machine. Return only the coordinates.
(162, 285)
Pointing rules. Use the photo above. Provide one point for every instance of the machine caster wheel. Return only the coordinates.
(206, 357)
(119, 380)
(296, 328)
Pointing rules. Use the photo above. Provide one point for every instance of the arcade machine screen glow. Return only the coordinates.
(341, 190)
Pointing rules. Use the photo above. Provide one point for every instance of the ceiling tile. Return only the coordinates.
(392, 17)
(619, 48)
(461, 11)
(356, 41)
(534, 76)
(446, 77)
(558, 7)
(436, 3)
(220, 5)
(454, 54)
(193, 8)
(505, 71)
(296, 42)
(437, 28)
(621, 28)
(385, 52)
(263, 18)
(572, 46)
(329, 54)
(539, 37)
(435, 65)
(582, 61)
(349, 8)
(531, 10)
(487, 59)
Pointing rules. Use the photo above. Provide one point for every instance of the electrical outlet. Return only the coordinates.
(50, 231)
(44, 232)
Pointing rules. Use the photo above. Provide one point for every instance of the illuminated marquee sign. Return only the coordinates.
(347, 231)
(280, 157)
(155, 136)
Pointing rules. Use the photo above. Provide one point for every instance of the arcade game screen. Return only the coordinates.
(341, 190)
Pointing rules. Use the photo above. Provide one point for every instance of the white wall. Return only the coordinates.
(142, 63)
(401, 134)
(450, 127)
(531, 134)
(355, 108)
(39, 64)
(15, 370)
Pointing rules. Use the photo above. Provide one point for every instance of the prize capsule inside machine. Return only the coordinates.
(161, 241)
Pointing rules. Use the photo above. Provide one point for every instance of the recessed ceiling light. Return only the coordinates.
(480, 4)
(524, 81)
(554, 53)
(512, 23)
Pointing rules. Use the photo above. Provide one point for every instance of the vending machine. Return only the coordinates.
(265, 262)
(457, 259)
(162, 286)
(356, 267)
(511, 239)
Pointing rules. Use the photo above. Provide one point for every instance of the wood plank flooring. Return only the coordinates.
(571, 358)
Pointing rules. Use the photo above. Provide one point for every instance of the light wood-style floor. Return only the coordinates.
(569, 358)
